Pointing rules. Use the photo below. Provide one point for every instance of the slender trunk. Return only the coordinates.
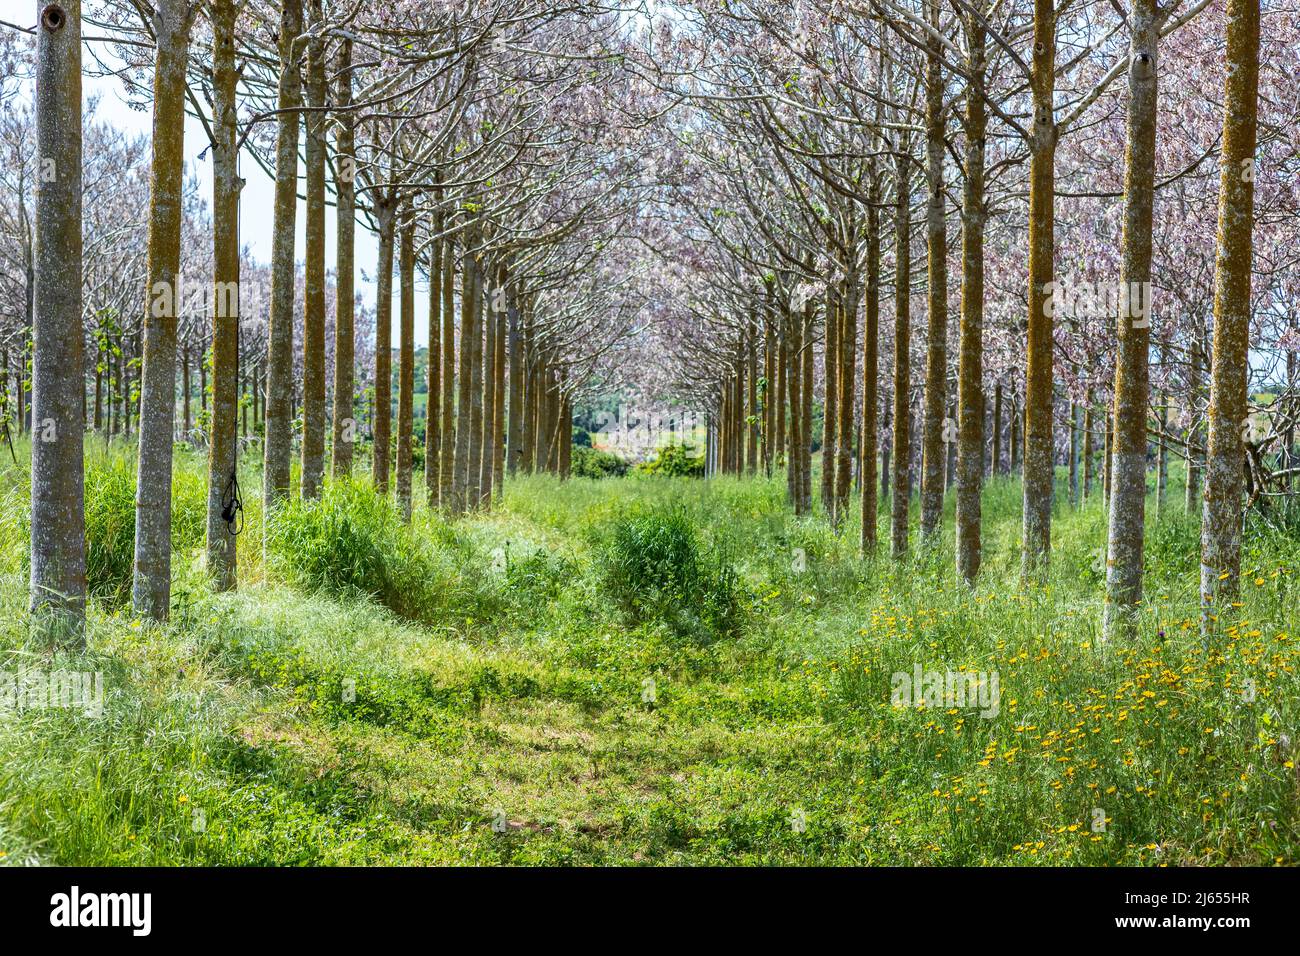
(405, 367)
(58, 550)
(278, 408)
(344, 426)
(222, 449)
(1039, 466)
(447, 466)
(474, 343)
(433, 450)
(499, 396)
(1221, 521)
(1074, 454)
(382, 420)
(1125, 541)
(970, 362)
(151, 587)
(871, 373)
(313, 317)
(1195, 386)
(751, 400)
(460, 485)
(830, 403)
(515, 422)
(491, 302)
(1088, 450)
(806, 403)
(933, 452)
(847, 384)
(771, 397)
(794, 480)
(902, 365)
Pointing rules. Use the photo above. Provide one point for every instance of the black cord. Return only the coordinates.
(232, 505)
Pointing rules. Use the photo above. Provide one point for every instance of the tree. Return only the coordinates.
(151, 589)
(1224, 461)
(58, 576)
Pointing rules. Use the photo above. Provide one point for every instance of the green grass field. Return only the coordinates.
(654, 671)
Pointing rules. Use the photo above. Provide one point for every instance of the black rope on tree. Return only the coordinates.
(232, 505)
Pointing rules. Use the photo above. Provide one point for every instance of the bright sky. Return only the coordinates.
(257, 200)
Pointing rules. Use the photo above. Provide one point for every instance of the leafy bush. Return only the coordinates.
(110, 521)
(656, 568)
(589, 462)
(674, 461)
(352, 541)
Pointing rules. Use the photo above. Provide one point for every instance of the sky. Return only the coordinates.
(257, 200)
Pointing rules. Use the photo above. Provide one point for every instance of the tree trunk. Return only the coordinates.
(433, 407)
(1224, 463)
(58, 555)
(830, 403)
(933, 450)
(151, 588)
(1039, 465)
(871, 374)
(447, 466)
(515, 422)
(902, 418)
(794, 480)
(970, 361)
(499, 397)
(460, 485)
(406, 367)
(1125, 542)
(847, 352)
(278, 408)
(383, 415)
(344, 426)
(491, 301)
(1195, 385)
(222, 443)
(1088, 451)
(313, 318)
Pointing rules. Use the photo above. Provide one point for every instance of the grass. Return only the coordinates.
(511, 689)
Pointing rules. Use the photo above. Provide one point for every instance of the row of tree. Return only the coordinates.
(832, 141)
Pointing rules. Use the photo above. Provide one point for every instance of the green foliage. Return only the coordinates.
(589, 462)
(351, 542)
(536, 662)
(110, 519)
(656, 569)
(674, 461)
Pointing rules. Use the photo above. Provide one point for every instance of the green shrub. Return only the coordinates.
(352, 541)
(590, 462)
(110, 521)
(656, 569)
(674, 461)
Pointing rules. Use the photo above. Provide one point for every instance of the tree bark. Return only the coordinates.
(433, 451)
(1221, 521)
(447, 466)
(871, 374)
(382, 423)
(313, 320)
(344, 426)
(1038, 464)
(151, 587)
(933, 444)
(970, 361)
(406, 367)
(226, 184)
(278, 410)
(1127, 524)
(58, 549)
(902, 417)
